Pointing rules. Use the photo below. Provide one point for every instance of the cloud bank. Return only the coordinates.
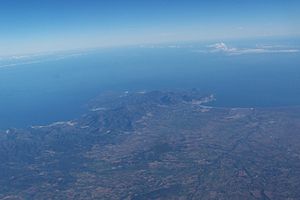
(36, 58)
(223, 48)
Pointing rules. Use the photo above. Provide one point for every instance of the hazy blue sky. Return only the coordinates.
(28, 26)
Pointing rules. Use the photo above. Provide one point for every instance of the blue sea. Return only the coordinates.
(43, 89)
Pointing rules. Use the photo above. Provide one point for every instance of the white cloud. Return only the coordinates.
(17, 60)
(21, 63)
(222, 47)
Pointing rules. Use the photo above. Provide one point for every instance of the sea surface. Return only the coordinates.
(43, 89)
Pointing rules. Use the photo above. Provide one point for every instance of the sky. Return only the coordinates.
(34, 26)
